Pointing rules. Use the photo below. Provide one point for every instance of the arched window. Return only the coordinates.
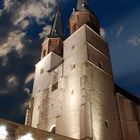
(53, 129)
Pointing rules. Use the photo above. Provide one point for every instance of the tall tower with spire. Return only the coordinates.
(42, 111)
(73, 93)
(54, 42)
(89, 109)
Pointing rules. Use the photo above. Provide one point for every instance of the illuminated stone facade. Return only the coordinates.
(14, 131)
(74, 93)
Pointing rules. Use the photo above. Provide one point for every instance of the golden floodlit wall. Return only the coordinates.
(14, 131)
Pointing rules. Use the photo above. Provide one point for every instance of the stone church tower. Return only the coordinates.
(73, 92)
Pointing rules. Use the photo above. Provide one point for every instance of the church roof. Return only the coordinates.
(127, 94)
(57, 29)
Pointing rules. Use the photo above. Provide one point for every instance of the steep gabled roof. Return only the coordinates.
(57, 29)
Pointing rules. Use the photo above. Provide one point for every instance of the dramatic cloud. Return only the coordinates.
(12, 82)
(7, 4)
(4, 61)
(38, 10)
(134, 41)
(27, 91)
(24, 24)
(13, 42)
(24, 106)
(29, 78)
(30, 9)
(119, 31)
(21, 21)
(45, 32)
(17, 16)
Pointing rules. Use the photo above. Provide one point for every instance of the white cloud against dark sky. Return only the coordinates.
(119, 31)
(125, 50)
(135, 40)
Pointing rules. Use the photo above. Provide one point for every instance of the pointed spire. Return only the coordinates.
(57, 29)
(80, 3)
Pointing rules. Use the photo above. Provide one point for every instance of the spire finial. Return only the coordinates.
(80, 3)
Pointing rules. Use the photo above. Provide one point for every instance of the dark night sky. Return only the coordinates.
(25, 23)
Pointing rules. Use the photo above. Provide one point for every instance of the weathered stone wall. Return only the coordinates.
(78, 97)
(71, 121)
(46, 92)
(99, 92)
(29, 113)
(47, 102)
(44, 72)
(89, 106)
(97, 41)
(16, 131)
(129, 116)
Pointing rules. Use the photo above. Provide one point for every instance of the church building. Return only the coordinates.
(74, 94)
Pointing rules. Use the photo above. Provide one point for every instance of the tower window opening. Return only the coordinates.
(39, 107)
(55, 77)
(74, 27)
(44, 53)
(73, 66)
(41, 71)
(72, 92)
(55, 86)
(73, 46)
(100, 64)
(106, 124)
